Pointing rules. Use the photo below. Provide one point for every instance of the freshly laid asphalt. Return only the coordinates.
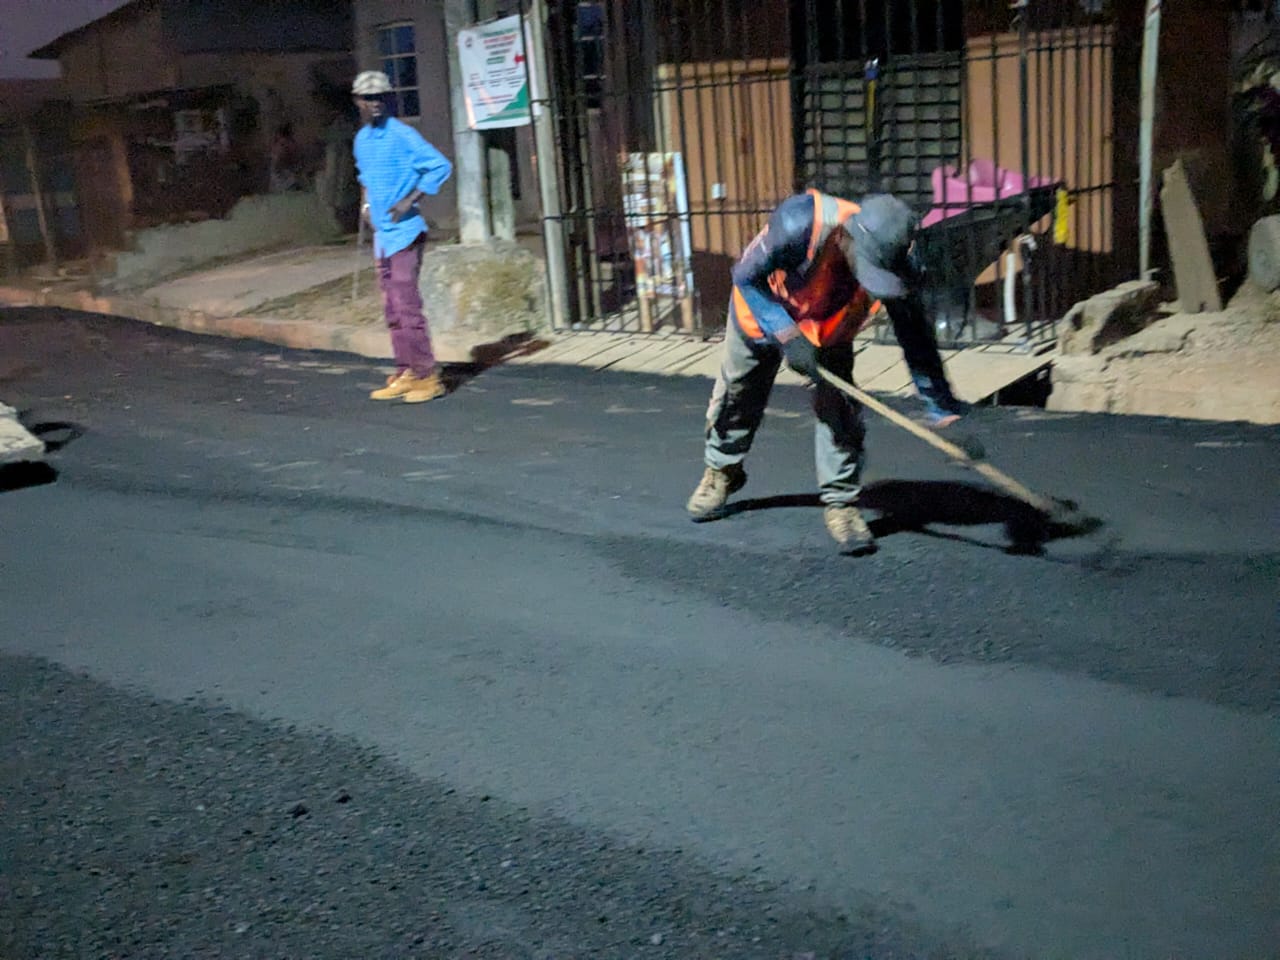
(285, 672)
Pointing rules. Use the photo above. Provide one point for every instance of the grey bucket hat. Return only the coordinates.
(371, 83)
(882, 232)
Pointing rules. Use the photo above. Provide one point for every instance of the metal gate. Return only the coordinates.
(680, 124)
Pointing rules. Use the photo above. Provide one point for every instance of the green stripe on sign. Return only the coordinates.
(519, 107)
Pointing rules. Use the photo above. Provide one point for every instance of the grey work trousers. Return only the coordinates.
(747, 371)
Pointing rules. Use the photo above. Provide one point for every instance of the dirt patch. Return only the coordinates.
(1212, 366)
(332, 303)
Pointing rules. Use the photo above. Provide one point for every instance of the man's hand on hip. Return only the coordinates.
(403, 207)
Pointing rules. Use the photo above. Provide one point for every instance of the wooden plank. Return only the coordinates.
(652, 357)
(1184, 228)
(558, 346)
(702, 352)
(896, 379)
(624, 348)
(975, 375)
(872, 361)
(579, 348)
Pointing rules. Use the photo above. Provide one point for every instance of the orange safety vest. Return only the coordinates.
(823, 258)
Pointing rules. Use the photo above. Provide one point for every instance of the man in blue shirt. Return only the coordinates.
(396, 168)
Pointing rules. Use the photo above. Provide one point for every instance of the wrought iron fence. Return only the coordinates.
(680, 124)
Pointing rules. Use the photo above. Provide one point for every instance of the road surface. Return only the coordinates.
(285, 672)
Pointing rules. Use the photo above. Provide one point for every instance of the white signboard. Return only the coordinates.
(495, 74)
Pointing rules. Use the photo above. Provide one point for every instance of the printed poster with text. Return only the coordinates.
(495, 74)
(655, 201)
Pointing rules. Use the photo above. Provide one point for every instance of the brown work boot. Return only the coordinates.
(707, 502)
(426, 388)
(849, 530)
(398, 384)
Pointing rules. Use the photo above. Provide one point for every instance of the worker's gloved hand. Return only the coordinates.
(802, 356)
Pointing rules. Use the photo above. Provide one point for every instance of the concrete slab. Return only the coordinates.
(17, 443)
(248, 285)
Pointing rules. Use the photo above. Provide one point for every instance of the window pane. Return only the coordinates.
(409, 103)
(591, 60)
(404, 38)
(385, 42)
(406, 74)
(590, 21)
(389, 68)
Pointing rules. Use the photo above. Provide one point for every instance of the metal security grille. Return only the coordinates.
(918, 126)
(680, 124)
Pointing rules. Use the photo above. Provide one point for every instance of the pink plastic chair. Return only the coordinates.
(983, 182)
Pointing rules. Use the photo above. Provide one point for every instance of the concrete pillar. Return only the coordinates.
(502, 204)
(469, 156)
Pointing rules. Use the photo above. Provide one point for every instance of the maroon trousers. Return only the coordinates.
(402, 306)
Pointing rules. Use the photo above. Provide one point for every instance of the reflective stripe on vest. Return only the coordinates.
(859, 312)
(747, 322)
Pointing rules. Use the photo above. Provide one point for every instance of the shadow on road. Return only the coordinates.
(56, 434)
(488, 355)
(915, 505)
(17, 476)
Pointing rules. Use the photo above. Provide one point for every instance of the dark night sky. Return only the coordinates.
(28, 24)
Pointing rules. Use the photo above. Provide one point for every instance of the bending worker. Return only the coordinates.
(803, 289)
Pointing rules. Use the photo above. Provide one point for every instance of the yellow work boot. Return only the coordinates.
(398, 384)
(426, 388)
(848, 529)
(708, 501)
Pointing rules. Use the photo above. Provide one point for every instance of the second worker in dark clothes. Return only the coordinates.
(802, 290)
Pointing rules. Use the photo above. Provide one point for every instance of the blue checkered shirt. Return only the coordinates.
(392, 160)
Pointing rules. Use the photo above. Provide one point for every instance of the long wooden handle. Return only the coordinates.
(999, 478)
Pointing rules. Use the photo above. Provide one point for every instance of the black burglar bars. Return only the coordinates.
(759, 98)
(673, 129)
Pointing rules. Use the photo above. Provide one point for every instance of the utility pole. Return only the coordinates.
(8, 262)
(33, 171)
(1146, 134)
(548, 169)
(470, 161)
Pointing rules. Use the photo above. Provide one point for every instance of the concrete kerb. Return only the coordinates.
(371, 342)
(688, 357)
(677, 357)
(495, 333)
